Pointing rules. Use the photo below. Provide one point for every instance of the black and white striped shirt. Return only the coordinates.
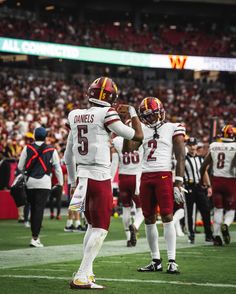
(192, 169)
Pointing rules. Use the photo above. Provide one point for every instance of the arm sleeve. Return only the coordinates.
(70, 161)
(22, 160)
(179, 130)
(57, 167)
(122, 130)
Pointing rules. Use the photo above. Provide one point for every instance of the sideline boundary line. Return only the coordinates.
(179, 283)
(63, 253)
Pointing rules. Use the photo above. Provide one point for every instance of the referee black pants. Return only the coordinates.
(196, 194)
(37, 199)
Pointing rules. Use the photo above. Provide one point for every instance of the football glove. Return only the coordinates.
(179, 194)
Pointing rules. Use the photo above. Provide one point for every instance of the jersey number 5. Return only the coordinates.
(82, 140)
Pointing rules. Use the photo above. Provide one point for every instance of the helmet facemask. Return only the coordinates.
(152, 117)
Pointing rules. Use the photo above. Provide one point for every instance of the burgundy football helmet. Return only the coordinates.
(103, 91)
(151, 112)
(228, 133)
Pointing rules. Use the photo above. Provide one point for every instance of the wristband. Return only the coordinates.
(73, 185)
(180, 179)
(132, 111)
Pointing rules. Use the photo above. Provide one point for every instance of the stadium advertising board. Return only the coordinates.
(54, 50)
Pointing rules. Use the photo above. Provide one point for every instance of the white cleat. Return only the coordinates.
(77, 284)
(36, 243)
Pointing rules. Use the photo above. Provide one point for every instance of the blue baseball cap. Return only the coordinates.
(40, 134)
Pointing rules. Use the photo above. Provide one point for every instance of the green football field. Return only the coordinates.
(204, 268)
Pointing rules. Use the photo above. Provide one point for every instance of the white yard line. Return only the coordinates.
(28, 237)
(180, 283)
(64, 253)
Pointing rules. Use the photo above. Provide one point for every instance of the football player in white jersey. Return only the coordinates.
(129, 169)
(222, 158)
(161, 139)
(88, 146)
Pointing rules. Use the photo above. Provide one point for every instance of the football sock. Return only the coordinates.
(170, 237)
(218, 218)
(69, 222)
(138, 219)
(77, 223)
(152, 238)
(229, 217)
(178, 229)
(179, 214)
(85, 241)
(87, 236)
(92, 249)
(126, 219)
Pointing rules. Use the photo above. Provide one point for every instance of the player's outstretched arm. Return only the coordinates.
(70, 161)
(233, 166)
(203, 169)
(134, 133)
(131, 145)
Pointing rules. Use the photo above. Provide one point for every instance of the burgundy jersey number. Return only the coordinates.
(83, 141)
(153, 145)
(130, 157)
(220, 160)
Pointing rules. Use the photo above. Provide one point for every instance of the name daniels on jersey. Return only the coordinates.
(223, 148)
(84, 118)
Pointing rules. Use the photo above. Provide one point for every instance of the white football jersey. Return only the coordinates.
(158, 151)
(129, 162)
(222, 154)
(91, 140)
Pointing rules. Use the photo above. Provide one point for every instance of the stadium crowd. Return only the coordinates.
(28, 101)
(166, 36)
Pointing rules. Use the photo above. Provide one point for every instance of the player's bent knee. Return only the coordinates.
(150, 220)
(167, 218)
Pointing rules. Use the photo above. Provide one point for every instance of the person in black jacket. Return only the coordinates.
(36, 161)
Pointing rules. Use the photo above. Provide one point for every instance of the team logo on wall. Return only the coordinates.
(177, 61)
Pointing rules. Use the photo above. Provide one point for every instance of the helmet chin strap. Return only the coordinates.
(156, 135)
(99, 102)
(227, 139)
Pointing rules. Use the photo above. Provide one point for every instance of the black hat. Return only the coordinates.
(192, 141)
(40, 134)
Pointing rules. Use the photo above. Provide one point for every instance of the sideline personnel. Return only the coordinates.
(36, 161)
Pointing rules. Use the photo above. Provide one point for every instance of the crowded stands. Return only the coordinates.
(28, 101)
(162, 37)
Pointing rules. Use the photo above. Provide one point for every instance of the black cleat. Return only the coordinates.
(209, 240)
(79, 229)
(191, 239)
(225, 233)
(154, 266)
(69, 229)
(172, 268)
(133, 235)
(129, 243)
(218, 241)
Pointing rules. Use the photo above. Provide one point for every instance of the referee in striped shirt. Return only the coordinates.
(196, 193)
